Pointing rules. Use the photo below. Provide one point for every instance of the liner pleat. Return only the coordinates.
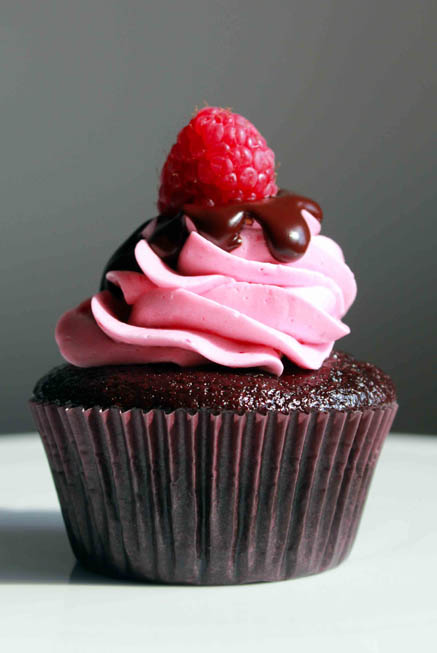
(211, 499)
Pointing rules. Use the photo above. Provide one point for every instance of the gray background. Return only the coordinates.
(93, 93)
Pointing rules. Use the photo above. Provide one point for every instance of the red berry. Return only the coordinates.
(219, 157)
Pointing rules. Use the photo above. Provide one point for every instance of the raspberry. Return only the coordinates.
(219, 157)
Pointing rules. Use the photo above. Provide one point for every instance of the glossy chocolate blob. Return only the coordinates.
(123, 259)
(285, 229)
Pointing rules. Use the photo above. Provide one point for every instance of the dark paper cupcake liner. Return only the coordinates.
(209, 498)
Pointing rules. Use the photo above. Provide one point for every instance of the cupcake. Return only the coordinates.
(203, 429)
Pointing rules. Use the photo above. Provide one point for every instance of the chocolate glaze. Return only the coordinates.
(123, 258)
(286, 231)
(168, 237)
(342, 383)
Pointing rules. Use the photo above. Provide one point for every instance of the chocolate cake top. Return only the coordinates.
(342, 383)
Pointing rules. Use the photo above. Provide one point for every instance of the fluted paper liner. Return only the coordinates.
(210, 498)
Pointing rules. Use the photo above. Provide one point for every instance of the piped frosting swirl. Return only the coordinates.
(246, 301)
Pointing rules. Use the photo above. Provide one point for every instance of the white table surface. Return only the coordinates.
(382, 599)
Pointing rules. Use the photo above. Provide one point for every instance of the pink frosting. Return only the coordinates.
(239, 309)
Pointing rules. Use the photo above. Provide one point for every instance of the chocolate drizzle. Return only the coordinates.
(285, 230)
(123, 259)
(168, 237)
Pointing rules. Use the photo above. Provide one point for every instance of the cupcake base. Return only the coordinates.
(211, 499)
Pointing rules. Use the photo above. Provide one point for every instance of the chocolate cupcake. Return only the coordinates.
(203, 431)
